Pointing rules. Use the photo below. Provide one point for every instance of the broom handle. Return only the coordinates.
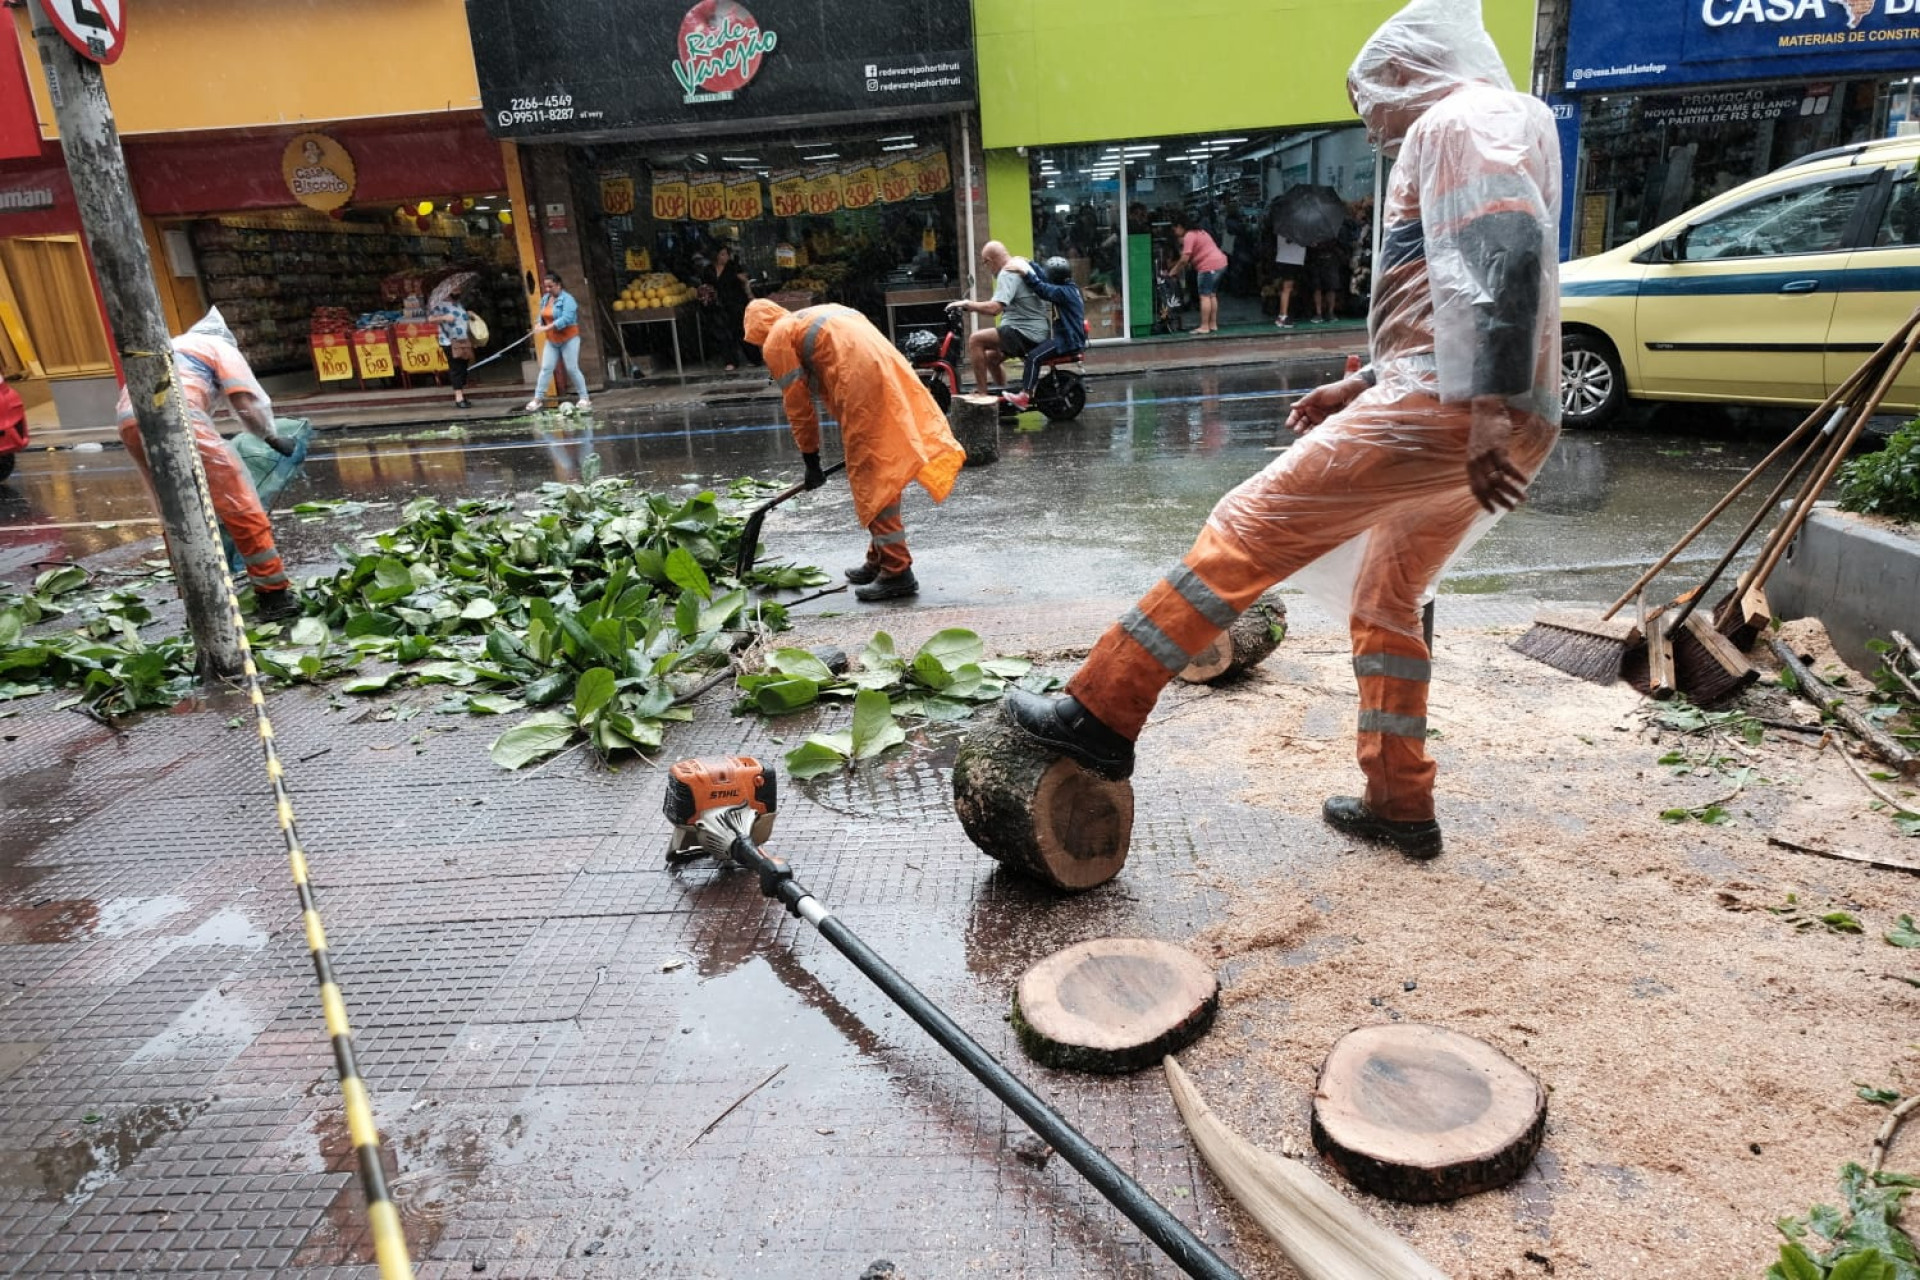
(1811, 492)
(1840, 393)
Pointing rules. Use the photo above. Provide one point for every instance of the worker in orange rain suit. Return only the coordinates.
(890, 429)
(208, 365)
(1401, 465)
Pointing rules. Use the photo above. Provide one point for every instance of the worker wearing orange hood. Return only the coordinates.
(891, 431)
(1400, 467)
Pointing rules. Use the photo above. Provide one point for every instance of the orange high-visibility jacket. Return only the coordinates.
(890, 429)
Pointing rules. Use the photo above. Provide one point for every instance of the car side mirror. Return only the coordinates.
(1674, 248)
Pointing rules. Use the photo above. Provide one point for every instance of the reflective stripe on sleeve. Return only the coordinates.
(1205, 601)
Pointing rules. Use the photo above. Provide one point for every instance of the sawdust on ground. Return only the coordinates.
(1702, 1052)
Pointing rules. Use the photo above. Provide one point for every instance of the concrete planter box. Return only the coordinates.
(1857, 575)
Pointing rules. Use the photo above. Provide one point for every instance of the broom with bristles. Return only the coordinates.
(1597, 648)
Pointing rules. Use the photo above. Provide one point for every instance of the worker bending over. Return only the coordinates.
(1401, 465)
(891, 432)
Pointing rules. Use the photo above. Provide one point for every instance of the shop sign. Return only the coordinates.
(332, 357)
(788, 190)
(823, 191)
(859, 187)
(616, 194)
(670, 195)
(420, 349)
(1623, 44)
(743, 200)
(1722, 106)
(373, 353)
(96, 28)
(318, 171)
(720, 50)
(556, 67)
(707, 197)
(899, 181)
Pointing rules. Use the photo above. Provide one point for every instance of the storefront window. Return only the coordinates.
(1110, 208)
(867, 221)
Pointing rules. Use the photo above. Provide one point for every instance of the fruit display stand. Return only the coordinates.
(672, 317)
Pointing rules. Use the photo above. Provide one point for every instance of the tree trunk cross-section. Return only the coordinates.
(1113, 1005)
(1038, 812)
(1243, 646)
(976, 425)
(1419, 1113)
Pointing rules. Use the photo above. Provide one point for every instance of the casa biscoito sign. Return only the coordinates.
(1629, 44)
(556, 67)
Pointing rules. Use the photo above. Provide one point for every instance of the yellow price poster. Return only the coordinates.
(823, 192)
(420, 349)
(332, 358)
(899, 181)
(932, 172)
(616, 194)
(707, 198)
(670, 196)
(743, 200)
(789, 192)
(859, 187)
(639, 259)
(374, 356)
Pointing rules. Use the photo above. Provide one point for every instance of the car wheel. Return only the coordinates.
(6, 465)
(937, 388)
(1592, 384)
(1060, 396)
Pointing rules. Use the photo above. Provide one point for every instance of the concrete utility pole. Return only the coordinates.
(111, 221)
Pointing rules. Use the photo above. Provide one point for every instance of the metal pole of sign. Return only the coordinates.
(108, 215)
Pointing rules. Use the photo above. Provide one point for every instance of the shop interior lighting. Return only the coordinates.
(831, 155)
(1225, 142)
(1143, 150)
(899, 137)
(908, 146)
(741, 159)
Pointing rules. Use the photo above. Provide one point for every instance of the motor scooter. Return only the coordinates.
(1060, 394)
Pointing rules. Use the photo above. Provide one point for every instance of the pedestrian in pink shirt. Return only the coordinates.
(1209, 264)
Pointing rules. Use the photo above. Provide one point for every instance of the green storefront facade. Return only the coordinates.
(1102, 122)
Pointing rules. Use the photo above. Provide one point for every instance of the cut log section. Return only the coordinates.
(976, 425)
(1242, 646)
(1113, 1005)
(1038, 812)
(1324, 1235)
(1419, 1113)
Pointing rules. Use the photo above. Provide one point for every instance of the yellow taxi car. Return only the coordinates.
(1771, 293)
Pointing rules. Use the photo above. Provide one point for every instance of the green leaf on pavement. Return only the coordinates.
(799, 662)
(535, 738)
(369, 684)
(493, 704)
(309, 631)
(685, 572)
(1904, 934)
(820, 754)
(595, 690)
(874, 728)
(479, 608)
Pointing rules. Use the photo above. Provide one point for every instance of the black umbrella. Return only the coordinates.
(1308, 214)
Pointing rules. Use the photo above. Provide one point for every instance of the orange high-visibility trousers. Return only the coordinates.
(1394, 471)
(234, 501)
(888, 551)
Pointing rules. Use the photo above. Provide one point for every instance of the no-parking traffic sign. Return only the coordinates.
(97, 28)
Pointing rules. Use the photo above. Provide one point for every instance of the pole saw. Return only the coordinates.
(723, 809)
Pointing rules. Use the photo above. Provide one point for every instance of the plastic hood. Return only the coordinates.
(1417, 57)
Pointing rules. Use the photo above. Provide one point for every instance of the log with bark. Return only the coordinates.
(1324, 1235)
(1113, 1005)
(1038, 812)
(976, 425)
(1419, 1113)
(1830, 702)
(1244, 645)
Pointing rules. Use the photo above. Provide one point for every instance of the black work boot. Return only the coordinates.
(889, 586)
(861, 574)
(1350, 814)
(276, 606)
(1062, 723)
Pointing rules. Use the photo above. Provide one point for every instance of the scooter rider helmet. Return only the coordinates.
(1057, 269)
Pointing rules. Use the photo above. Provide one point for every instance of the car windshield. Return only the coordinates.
(1810, 219)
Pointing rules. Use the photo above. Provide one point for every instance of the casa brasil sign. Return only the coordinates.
(721, 48)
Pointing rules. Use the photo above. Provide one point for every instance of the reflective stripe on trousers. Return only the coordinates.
(234, 501)
(1393, 669)
(888, 551)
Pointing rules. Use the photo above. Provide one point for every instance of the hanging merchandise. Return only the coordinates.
(707, 197)
(670, 195)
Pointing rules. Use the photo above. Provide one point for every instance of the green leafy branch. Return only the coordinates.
(1860, 1241)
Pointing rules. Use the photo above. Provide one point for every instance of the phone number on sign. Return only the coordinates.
(555, 106)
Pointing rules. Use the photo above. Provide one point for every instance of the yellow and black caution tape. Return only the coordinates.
(389, 1240)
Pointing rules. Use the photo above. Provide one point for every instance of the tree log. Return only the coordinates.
(1831, 702)
(1113, 1005)
(1038, 812)
(1419, 1113)
(1244, 645)
(1324, 1235)
(976, 425)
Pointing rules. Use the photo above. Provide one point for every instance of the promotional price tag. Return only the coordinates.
(375, 357)
(332, 361)
(420, 350)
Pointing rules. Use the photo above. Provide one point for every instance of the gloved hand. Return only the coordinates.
(815, 477)
(281, 445)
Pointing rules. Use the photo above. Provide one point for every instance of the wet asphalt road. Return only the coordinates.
(1095, 507)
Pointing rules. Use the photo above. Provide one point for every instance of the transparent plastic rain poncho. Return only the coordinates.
(1375, 500)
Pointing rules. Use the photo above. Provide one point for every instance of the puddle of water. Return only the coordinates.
(227, 928)
(122, 916)
(215, 1025)
(89, 1156)
(52, 920)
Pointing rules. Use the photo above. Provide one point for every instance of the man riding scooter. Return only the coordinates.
(1069, 334)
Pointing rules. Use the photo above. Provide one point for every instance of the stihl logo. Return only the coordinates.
(728, 793)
